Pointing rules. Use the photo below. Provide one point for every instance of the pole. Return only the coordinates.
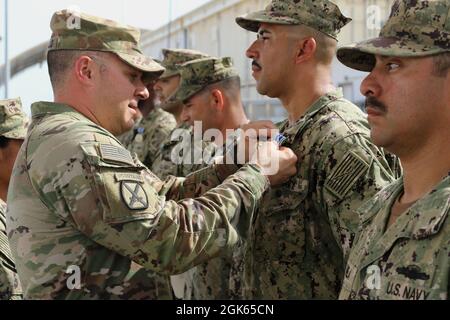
(170, 24)
(7, 65)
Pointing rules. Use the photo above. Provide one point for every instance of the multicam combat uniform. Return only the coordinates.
(84, 202)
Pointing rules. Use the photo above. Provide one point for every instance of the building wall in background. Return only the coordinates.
(212, 29)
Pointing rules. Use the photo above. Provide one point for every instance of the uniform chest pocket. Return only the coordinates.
(287, 197)
(125, 193)
(280, 229)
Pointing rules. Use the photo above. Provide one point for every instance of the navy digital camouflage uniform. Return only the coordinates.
(302, 233)
(410, 259)
(304, 229)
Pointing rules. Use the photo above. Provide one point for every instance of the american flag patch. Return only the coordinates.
(345, 174)
(115, 153)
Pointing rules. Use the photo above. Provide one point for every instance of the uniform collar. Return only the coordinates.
(436, 205)
(375, 205)
(44, 107)
(426, 216)
(294, 130)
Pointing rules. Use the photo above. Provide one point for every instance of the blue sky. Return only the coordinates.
(29, 25)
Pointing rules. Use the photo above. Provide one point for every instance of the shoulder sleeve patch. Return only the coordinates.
(115, 153)
(345, 174)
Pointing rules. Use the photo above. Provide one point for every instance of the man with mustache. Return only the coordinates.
(86, 219)
(403, 250)
(302, 233)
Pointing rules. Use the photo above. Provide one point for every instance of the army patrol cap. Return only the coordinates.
(80, 31)
(13, 122)
(415, 28)
(174, 58)
(198, 74)
(321, 15)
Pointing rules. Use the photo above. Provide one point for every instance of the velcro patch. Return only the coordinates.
(134, 195)
(114, 153)
(129, 177)
(345, 174)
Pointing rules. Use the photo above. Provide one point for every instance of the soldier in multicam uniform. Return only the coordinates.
(86, 219)
(152, 128)
(403, 249)
(210, 92)
(12, 133)
(165, 86)
(302, 233)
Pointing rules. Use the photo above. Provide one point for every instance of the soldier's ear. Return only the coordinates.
(217, 99)
(84, 69)
(305, 49)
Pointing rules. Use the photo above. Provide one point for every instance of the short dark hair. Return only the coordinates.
(4, 142)
(441, 64)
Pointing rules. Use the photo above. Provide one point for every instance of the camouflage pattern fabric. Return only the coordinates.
(147, 136)
(173, 58)
(220, 278)
(79, 200)
(415, 28)
(322, 15)
(192, 286)
(127, 138)
(13, 121)
(301, 235)
(163, 166)
(10, 288)
(79, 31)
(200, 73)
(410, 259)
